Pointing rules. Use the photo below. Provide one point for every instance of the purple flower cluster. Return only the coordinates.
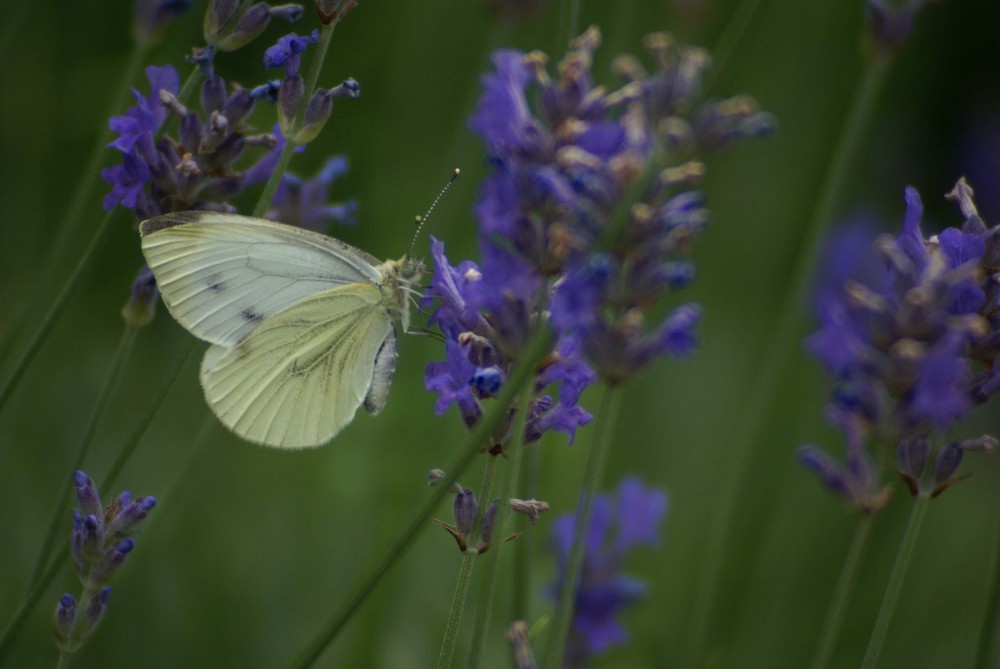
(912, 351)
(195, 170)
(585, 219)
(199, 167)
(100, 543)
(618, 524)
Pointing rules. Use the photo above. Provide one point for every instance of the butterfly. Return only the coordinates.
(301, 325)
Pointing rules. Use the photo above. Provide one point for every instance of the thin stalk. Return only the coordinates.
(604, 434)
(45, 328)
(487, 588)
(457, 608)
(465, 571)
(842, 595)
(63, 661)
(518, 381)
(787, 330)
(986, 647)
(38, 589)
(895, 585)
(114, 375)
(315, 66)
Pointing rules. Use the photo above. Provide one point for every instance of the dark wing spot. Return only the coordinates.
(216, 286)
(251, 316)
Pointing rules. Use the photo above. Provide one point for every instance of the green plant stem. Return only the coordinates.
(842, 595)
(63, 661)
(469, 559)
(487, 588)
(45, 328)
(285, 157)
(895, 585)
(986, 647)
(760, 399)
(114, 375)
(524, 371)
(563, 617)
(457, 608)
(38, 589)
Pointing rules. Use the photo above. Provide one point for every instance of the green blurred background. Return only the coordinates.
(250, 549)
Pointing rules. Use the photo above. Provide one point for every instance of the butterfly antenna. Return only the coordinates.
(421, 220)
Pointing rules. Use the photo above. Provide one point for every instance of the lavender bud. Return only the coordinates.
(333, 10)
(465, 510)
(435, 476)
(289, 98)
(532, 508)
(130, 516)
(225, 154)
(92, 538)
(489, 518)
(948, 460)
(219, 12)
(249, 26)
(213, 94)
(238, 106)
(141, 305)
(912, 454)
(63, 621)
(110, 563)
(87, 495)
(190, 132)
(487, 380)
(76, 544)
(290, 13)
(317, 113)
(267, 91)
(93, 613)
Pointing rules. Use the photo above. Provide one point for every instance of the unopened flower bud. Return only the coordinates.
(87, 495)
(219, 13)
(92, 614)
(465, 510)
(289, 98)
(141, 305)
(489, 519)
(63, 621)
(912, 454)
(110, 563)
(248, 27)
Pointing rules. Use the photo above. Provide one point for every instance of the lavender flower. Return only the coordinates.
(618, 524)
(304, 203)
(100, 545)
(581, 218)
(913, 351)
(228, 30)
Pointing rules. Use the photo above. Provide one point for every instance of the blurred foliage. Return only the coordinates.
(250, 549)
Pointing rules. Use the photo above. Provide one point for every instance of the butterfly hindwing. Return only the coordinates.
(221, 275)
(297, 378)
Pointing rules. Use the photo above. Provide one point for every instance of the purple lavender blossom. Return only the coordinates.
(910, 352)
(195, 169)
(304, 203)
(618, 524)
(573, 223)
(100, 546)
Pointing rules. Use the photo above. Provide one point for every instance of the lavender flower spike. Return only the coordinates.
(630, 518)
(100, 549)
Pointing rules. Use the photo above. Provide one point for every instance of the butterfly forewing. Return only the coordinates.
(298, 378)
(222, 274)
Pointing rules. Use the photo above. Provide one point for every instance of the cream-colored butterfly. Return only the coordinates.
(301, 325)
